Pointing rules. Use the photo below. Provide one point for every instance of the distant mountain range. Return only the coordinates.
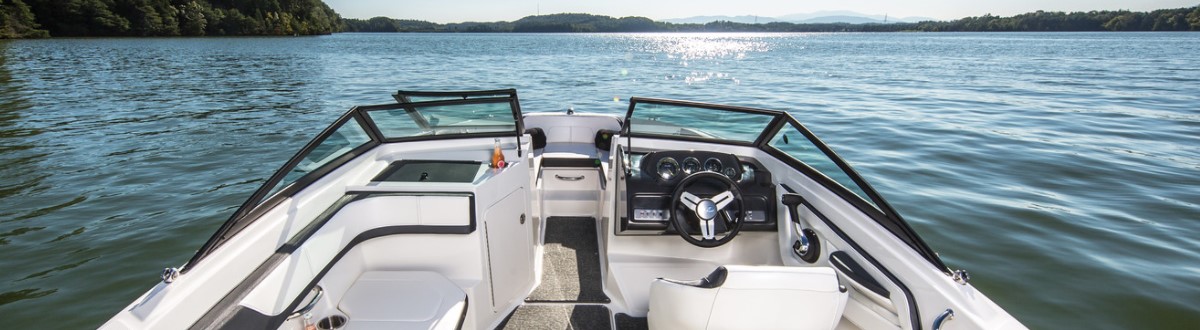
(838, 16)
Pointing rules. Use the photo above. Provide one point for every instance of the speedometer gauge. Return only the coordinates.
(712, 165)
(667, 168)
(691, 165)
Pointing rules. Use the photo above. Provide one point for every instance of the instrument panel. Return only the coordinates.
(654, 176)
(670, 167)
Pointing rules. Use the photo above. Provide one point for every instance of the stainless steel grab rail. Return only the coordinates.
(311, 304)
(942, 318)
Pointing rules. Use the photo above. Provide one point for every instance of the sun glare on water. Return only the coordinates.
(701, 55)
(688, 46)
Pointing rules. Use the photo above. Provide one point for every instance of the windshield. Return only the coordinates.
(649, 117)
(439, 118)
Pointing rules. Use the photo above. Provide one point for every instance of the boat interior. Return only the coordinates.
(677, 215)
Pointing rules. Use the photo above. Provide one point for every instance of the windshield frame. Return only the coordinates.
(627, 127)
(414, 111)
(406, 96)
(264, 199)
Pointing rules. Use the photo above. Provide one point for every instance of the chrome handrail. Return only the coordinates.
(942, 318)
(311, 304)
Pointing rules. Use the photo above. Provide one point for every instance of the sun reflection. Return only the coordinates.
(685, 47)
(693, 58)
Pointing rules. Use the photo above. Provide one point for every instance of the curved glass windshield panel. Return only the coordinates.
(351, 135)
(452, 119)
(790, 141)
(695, 122)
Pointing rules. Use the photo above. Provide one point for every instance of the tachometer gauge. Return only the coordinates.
(667, 168)
(691, 165)
(732, 174)
(712, 165)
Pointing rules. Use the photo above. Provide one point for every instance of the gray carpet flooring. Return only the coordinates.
(558, 317)
(570, 263)
(626, 322)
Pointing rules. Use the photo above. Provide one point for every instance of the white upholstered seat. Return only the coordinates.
(750, 297)
(403, 300)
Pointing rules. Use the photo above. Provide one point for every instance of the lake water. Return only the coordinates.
(1061, 169)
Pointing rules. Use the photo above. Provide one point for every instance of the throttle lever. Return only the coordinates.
(808, 247)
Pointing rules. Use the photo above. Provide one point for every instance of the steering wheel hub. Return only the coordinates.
(706, 209)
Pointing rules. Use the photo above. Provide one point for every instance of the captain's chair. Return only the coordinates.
(750, 297)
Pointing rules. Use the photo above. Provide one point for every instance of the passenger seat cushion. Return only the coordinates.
(751, 297)
(403, 300)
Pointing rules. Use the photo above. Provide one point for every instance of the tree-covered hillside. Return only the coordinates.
(16, 21)
(69, 18)
(80, 18)
(541, 23)
(583, 23)
(1182, 19)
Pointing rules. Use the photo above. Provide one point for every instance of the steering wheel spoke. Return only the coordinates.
(723, 199)
(689, 201)
(708, 229)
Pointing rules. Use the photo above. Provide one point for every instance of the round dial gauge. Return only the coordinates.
(713, 165)
(691, 165)
(732, 174)
(667, 168)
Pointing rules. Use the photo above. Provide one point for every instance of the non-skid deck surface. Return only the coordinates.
(626, 322)
(558, 317)
(570, 263)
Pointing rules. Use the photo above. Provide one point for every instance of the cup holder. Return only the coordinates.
(332, 322)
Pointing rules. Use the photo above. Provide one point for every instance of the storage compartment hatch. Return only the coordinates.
(431, 171)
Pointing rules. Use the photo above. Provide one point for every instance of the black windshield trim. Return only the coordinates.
(627, 124)
(403, 96)
(254, 207)
(411, 108)
(882, 212)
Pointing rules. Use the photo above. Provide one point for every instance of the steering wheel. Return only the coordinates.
(688, 208)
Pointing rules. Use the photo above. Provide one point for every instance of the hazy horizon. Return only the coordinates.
(490, 11)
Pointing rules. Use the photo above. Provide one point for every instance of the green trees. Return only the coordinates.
(17, 21)
(1194, 19)
(541, 23)
(384, 24)
(1121, 20)
(583, 23)
(165, 17)
(191, 19)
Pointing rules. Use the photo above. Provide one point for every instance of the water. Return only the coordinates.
(1061, 169)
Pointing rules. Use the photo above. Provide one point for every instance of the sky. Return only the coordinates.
(511, 10)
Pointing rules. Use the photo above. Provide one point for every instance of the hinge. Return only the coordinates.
(170, 274)
(962, 277)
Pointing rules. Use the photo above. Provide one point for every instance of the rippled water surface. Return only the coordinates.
(1062, 170)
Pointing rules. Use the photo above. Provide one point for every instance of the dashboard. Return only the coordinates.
(654, 176)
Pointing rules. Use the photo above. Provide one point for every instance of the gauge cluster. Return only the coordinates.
(655, 175)
(671, 166)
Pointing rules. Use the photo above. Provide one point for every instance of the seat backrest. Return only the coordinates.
(750, 297)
